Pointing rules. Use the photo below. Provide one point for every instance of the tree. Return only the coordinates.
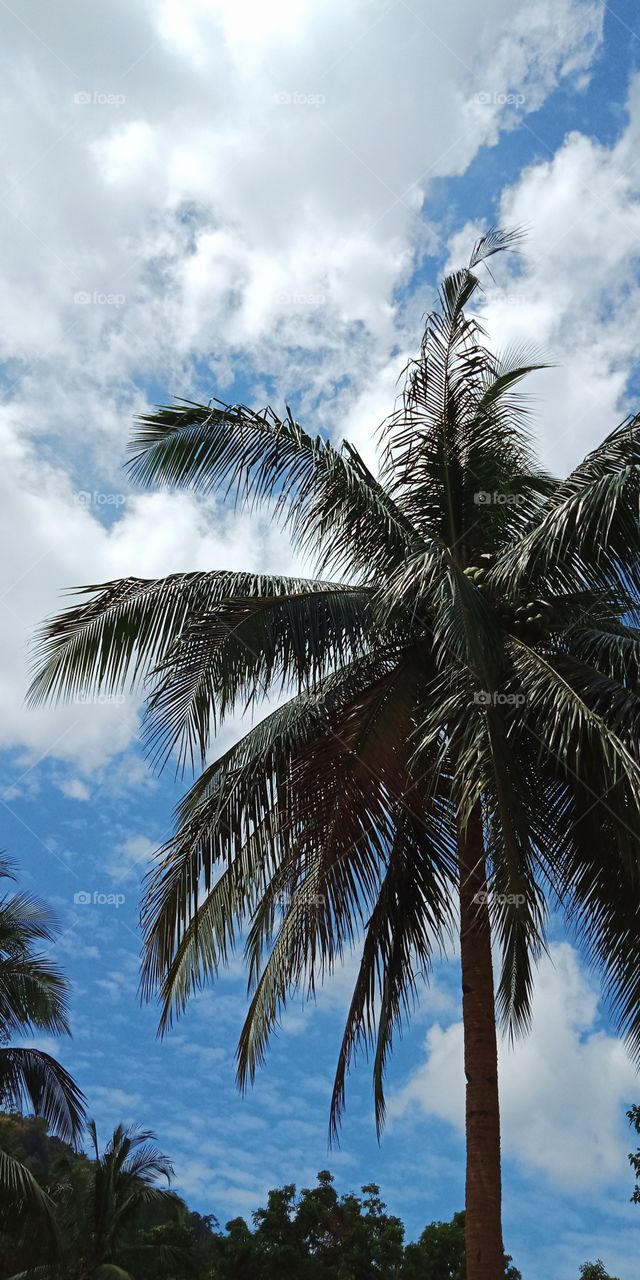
(633, 1116)
(102, 1205)
(595, 1271)
(100, 1209)
(33, 997)
(315, 1236)
(440, 1254)
(184, 1247)
(460, 740)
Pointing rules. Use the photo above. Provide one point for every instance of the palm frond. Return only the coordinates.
(246, 646)
(21, 1191)
(129, 627)
(329, 499)
(234, 803)
(411, 915)
(576, 741)
(31, 1078)
(586, 536)
(600, 896)
(33, 995)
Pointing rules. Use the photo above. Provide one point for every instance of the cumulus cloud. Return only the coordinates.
(75, 789)
(563, 1088)
(131, 858)
(571, 294)
(204, 192)
(64, 542)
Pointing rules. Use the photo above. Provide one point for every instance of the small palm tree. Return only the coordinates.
(459, 747)
(102, 1206)
(33, 997)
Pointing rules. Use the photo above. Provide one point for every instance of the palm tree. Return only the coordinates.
(103, 1205)
(33, 997)
(459, 744)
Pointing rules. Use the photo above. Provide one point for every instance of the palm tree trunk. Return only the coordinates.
(483, 1224)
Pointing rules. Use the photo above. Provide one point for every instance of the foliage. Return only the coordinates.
(440, 1254)
(316, 1235)
(109, 1213)
(101, 1204)
(461, 671)
(633, 1116)
(33, 997)
(313, 1235)
(183, 1248)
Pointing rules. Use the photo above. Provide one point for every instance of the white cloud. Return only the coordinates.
(563, 1088)
(572, 294)
(131, 858)
(213, 229)
(75, 789)
(112, 1106)
(63, 543)
(221, 214)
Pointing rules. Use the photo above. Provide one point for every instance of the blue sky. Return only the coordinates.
(225, 198)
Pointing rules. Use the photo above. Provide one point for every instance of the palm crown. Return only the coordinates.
(33, 997)
(471, 659)
(101, 1205)
(123, 1184)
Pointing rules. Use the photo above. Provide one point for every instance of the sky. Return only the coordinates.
(255, 201)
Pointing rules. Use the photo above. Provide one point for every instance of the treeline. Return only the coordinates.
(111, 1216)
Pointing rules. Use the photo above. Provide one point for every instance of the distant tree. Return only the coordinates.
(316, 1236)
(440, 1254)
(595, 1271)
(101, 1206)
(633, 1116)
(183, 1248)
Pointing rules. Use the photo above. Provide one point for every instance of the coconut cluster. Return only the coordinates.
(529, 619)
